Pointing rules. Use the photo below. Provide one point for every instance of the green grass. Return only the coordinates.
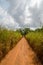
(8, 39)
(35, 40)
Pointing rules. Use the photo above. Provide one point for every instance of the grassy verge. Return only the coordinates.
(8, 39)
(35, 39)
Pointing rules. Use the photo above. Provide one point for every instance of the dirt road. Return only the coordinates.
(22, 54)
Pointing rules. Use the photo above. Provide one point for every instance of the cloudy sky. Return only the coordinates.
(21, 13)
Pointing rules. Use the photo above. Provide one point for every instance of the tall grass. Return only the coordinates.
(8, 39)
(35, 40)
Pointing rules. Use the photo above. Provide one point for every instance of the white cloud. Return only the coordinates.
(34, 2)
(6, 20)
(20, 10)
(26, 13)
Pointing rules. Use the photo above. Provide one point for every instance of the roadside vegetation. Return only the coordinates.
(35, 39)
(8, 39)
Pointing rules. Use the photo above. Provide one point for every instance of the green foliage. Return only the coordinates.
(8, 39)
(39, 29)
(35, 39)
(24, 31)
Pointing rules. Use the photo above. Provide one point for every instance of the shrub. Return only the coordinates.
(8, 39)
(35, 40)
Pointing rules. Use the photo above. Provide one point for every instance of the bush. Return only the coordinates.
(8, 39)
(35, 40)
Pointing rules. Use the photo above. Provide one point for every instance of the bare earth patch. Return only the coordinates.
(22, 54)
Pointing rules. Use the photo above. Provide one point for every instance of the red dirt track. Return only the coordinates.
(21, 54)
